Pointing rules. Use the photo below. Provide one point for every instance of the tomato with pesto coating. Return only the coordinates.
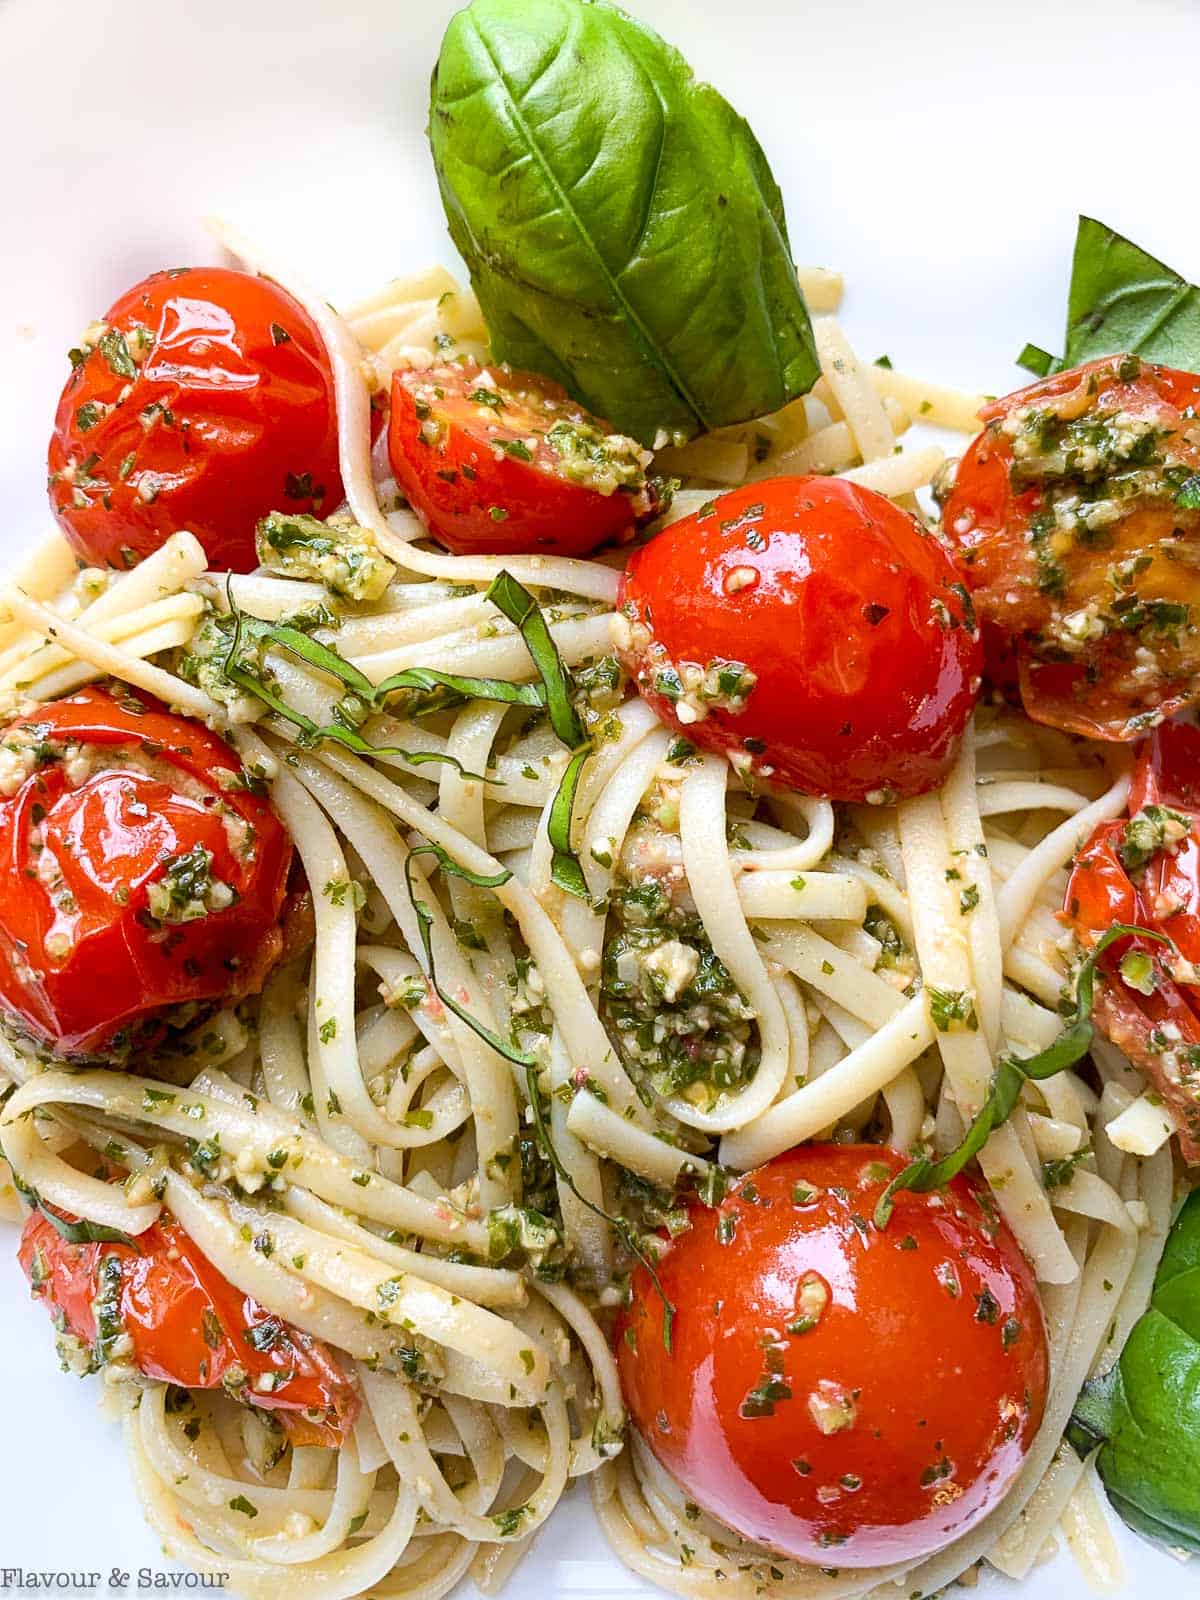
(144, 874)
(811, 631)
(159, 1304)
(1076, 517)
(498, 461)
(202, 399)
(845, 1395)
(1143, 870)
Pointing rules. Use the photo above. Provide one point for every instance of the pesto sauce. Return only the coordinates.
(678, 1019)
(1092, 468)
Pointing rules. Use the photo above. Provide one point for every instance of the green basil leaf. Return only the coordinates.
(1071, 1046)
(621, 225)
(1124, 301)
(1145, 1413)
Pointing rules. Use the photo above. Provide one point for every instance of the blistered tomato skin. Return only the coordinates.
(178, 1320)
(204, 402)
(473, 451)
(850, 620)
(845, 1396)
(140, 874)
(1076, 517)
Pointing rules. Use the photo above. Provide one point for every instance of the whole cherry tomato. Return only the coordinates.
(811, 631)
(502, 461)
(1076, 513)
(1144, 872)
(202, 400)
(167, 1308)
(141, 873)
(845, 1396)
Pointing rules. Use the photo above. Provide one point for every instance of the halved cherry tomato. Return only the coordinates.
(842, 1395)
(140, 873)
(1076, 513)
(502, 461)
(812, 631)
(1145, 872)
(186, 1324)
(203, 400)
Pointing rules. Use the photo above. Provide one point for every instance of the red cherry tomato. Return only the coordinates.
(140, 874)
(502, 461)
(187, 1324)
(812, 631)
(1075, 517)
(205, 403)
(845, 1396)
(1144, 872)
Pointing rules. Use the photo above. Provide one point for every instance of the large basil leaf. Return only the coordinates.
(1123, 301)
(1146, 1412)
(621, 225)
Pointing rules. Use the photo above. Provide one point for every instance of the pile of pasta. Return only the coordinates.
(487, 1389)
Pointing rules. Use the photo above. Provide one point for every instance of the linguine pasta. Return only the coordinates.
(352, 1153)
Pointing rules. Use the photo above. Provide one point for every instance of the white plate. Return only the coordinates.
(935, 152)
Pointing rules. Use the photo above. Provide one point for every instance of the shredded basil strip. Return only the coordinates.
(519, 606)
(81, 1231)
(329, 661)
(421, 679)
(1072, 1045)
(565, 869)
(521, 609)
(425, 929)
(520, 1058)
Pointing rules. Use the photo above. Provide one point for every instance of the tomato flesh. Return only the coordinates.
(1076, 514)
(122, 796)
(813, 1398)
(1148, 997)
(850, 618)
(504, 462)
(186, 1324)
(219, 412)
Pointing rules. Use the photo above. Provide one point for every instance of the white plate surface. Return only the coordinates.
(935, 151)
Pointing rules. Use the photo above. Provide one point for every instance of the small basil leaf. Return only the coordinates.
(1145, 1414)
(1150, 1462)
(1123, 300)
(621, 225)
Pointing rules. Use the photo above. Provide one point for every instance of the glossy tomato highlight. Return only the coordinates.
(810, 630)
(844, 1395)
(202, 400)
(141, 874)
